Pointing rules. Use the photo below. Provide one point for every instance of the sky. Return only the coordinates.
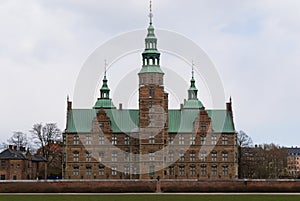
(254, 45)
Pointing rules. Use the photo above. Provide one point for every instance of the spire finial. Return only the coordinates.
(105, 66)
(193, 65)
(151, 14)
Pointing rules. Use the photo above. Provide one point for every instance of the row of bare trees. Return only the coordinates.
(266, 161)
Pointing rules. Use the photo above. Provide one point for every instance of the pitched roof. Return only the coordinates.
(124, 121)
(12, 155)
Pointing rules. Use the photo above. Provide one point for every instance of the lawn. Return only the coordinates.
(156, 197)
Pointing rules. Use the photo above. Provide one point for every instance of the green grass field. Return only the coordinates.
(149, 197)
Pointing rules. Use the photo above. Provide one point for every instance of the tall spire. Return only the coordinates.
(151, 55)
(104, 101)
(192, 102)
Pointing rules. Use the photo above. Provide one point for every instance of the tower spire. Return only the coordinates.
(193, 102)
(193, 69)
(150, 14)
(105, 67)
(104, 101)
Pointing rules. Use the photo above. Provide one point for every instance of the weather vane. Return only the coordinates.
(151, 14)
(193, 65)
(105, 66)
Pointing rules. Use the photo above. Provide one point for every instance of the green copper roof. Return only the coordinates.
(151, 69)
(192, 104)
(123, 121)
(104, 103)
(182, 121)
(80, 120)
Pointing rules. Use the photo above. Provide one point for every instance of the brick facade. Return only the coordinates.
(153, 141)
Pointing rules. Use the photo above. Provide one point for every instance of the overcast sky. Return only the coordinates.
(254, 44)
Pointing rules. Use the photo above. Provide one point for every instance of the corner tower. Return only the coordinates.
(153, 107)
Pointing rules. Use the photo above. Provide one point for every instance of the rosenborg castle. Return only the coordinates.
(153, 141)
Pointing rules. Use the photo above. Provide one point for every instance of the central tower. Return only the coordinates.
(153, 109)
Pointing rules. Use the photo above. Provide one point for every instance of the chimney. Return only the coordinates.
(69, 104)
(10, 147)
(229, 105)
(120, 106)
(181, 106)
(15, 148)
(23, 149)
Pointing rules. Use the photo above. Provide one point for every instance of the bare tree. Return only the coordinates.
(244, 142)
(18, 139)
(43, 136)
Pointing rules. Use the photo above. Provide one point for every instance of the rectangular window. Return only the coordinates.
(76, 139)
(88, 140)
(101, 170)
(151, 121)
(225, 170)
(224, 140)
(151, 138)
(101, 139)
(114, 156)
(101, 156)
(3, 164)
(171, 156)
(88, 171)
(75, 171)
(134, 170)
(214, 170)
(114, 170)
(75, 156)
(114, 140)
(151, 93)
(101, 126)
(135, 157)
(151, 170)
(126, 140)
(202, 156)
(192, 139)
(152, 156)
(203, 126)
(213, 139)
(181, 156)
(171, 170)
(126, 170)
(193, 170)
(203, 140)
(224, 156)
(203, 170)
(193, 156)
(181, 139)
(126, 156)
(214, 156)
(181, 170)
(88, 156)
(171, 139)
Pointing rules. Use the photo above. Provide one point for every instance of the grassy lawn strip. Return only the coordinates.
(149, 197)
